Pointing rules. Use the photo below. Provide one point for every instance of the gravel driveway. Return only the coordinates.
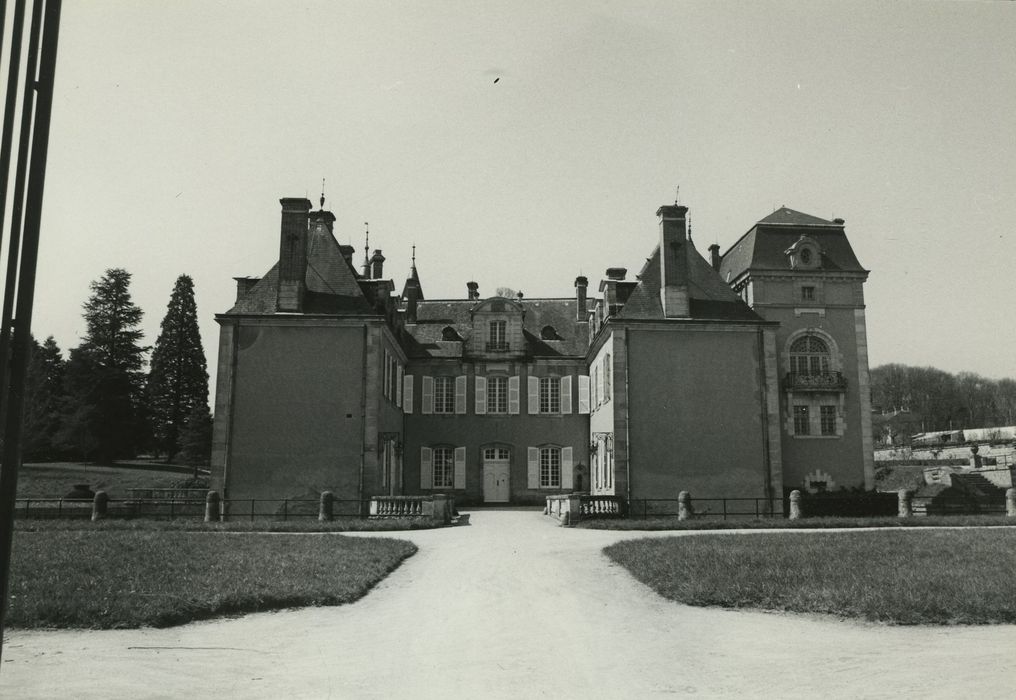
(511, 606)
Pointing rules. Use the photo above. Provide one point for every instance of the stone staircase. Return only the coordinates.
(968, 493)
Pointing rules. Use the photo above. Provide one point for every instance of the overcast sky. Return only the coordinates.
(521, 144)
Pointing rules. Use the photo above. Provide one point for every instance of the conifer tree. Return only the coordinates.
(44, 397)
(178, 380)
(196, 438)
(104, 378)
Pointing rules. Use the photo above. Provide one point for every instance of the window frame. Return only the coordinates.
(550, 459)
(497, 392)
(550, 395)
(802, 419)
(448, 399)
(827, 420)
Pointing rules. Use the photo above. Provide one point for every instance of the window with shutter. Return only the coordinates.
(460, 394)
(481, 395)
(513, 395)
(398, 386)
(443, 467)
(426, 467)
(550, 395)
(583, 393)
(460, 468)
(533, 398)
(534, 468)
(407, 393)
(428, 395)
(566, 398)
(566, 467)
(550, 467)
(606, 378)
(497, 394)
(444, 395)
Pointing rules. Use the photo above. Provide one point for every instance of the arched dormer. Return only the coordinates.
(805, 254)
(497, 327)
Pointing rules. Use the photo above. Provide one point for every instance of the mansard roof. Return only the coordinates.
(425, 338)
(763, 246)
(709, 297)
(332, 286)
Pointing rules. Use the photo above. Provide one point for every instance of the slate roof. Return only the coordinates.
(332, 286)
(763, 246)
(710, 297)
(425, 337)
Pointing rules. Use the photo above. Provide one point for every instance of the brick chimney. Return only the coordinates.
(244, 285)
(714, 256)
(472, 291)
(377, 262)
(581, 283)
(293, 254)
(674, 245)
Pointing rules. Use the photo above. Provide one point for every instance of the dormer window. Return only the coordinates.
(548, 333)
(805, 254)
(497, 339)
(449, 333)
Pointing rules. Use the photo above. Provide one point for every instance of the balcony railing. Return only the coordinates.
(823, 381)
(497, 346)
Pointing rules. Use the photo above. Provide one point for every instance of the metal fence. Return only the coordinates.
(723, 508)
(171, 509)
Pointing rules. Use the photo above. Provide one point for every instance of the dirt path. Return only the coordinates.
(512, 606)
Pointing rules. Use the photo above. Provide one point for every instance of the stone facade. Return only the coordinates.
(686, 378)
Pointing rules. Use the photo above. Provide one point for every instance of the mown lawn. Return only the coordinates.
(114, 578)
(890, 576)
(195, 524)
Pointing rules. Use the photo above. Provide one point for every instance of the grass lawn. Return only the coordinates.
(55, 479)
(122, 578)
(891, 576)
(194, 524)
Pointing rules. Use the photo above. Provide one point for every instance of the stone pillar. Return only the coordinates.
(441, 514)
(325, 511)
(99, 505)
(976, 461)
(905, 503)
(795, 505)
(684, 509)
(1010, 503)
(574, 509)
(212, 507)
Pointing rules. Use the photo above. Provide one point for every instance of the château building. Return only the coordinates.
(744, 375)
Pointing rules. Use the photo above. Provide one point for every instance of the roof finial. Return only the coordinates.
(366, 245)
(322, 194)
(689, 228)
(677, 195)
(414, 256)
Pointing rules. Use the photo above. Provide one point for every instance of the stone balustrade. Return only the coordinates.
(438, 508)
(572, 507)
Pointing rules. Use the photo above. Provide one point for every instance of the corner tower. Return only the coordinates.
(801, 271)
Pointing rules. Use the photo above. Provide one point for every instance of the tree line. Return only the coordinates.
(108, 400)
(942, 400)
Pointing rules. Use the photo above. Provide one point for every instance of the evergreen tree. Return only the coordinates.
(178, 380)
(104, 379)
(44, 398)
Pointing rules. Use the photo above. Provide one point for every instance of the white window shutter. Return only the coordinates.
(513, 395)
(534, 467)
(534, 395)
(460, 394)
(428, 395)
(481, 395)
(426, 468)
(566, 394)
(460, 467)
(583, 393)
(566, 468)
(398, 386)
(407, 393)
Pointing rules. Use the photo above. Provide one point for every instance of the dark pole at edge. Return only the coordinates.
(26, 297)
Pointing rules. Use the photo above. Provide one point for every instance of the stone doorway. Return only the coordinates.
(496, 472)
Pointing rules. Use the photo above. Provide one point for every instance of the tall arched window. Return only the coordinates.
(809, 355)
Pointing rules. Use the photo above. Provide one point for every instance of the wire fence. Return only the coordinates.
(189, 508)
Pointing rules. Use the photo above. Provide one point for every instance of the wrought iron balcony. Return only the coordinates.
(497, 346)
(822, 381)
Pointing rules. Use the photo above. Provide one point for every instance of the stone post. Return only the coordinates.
(1010, 503)
(325, 512)
(99, 505)
(795, 505)
(212, 507)
(574, 509)
(441, 512)
(905, 503)
(684, 509)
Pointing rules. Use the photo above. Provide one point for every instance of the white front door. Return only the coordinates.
(495, 475)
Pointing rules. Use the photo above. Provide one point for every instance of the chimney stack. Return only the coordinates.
(581, 283)
(293, 254)
(473, 291)
(674, 246)
(377, 263)
(244, 285)
(347, 254)
(714, 256)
